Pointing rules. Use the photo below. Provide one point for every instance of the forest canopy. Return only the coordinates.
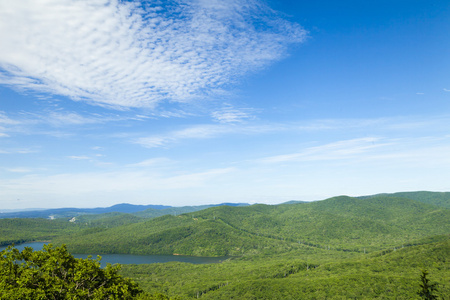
(53, 273)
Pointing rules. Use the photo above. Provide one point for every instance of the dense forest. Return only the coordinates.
(338, 248)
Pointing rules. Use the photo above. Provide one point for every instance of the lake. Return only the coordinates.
(133, 259)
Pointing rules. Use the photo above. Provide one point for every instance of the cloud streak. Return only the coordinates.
(129, 54)
(229, 114)
(427, 151)
(205, 131)
(332, 151)
(193, 132)
(83, 185)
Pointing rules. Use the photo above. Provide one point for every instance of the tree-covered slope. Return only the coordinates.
(441, 199)
(53, 273)
(153, 213)
(20, 230)
(71, 212)
(106, 220)
(340, 223)
(387, 274)
(175, 211)
(26, 230)
(183, 234)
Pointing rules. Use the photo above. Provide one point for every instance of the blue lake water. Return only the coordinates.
(134, 259)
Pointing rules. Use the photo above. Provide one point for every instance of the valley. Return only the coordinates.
(338, 248)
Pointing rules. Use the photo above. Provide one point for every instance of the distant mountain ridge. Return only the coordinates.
(341, 223)
(366, 247)
(71, 211)
(440, 199)
(127, 208)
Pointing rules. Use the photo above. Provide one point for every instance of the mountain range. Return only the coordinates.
(369, 247)
(71, 212)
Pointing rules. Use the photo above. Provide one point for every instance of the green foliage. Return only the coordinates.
(340, 223)
(305, 274)
(441, 199)
(174, 235)
(54, 273)
(339, 248)
(16, 231)
(107, 220)
(427, 288)
(175, 211)
(26, 230)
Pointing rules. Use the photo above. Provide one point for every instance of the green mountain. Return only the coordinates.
(304, 275)
(74, 212)
(144, 211)
(25, 230)
(441, 199)
(371, 247)
(340, 223)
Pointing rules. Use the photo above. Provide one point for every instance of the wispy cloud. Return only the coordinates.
(134, 54)
(378, 125)
(57, 123)
(19, 170)
(79, 157)
(193, 132)
(425, 151)
(70, 118)
(446, 90)
(5, 120)
(332, 151)
(114, 184)
(204, 131)
(18, 151)
(55, 118)
(229, 114)
(153, 162)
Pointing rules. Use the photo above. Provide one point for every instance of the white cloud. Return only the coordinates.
(193, 132)
(55, 118)
(18, 151)
(56, 123)
(19, 170)
(447, 90)
(153, 162)
(229, 114)
(412, 152)
(69, 118)
(204, 132)
(5, 120)
(332, 151)
(78, 157)
(133, 54)
(378, 126)
(87, 185)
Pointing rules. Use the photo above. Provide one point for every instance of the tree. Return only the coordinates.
(53, 273)
(426, 288)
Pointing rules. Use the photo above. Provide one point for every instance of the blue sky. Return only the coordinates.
(195, 102)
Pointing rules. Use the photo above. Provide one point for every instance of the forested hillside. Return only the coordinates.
(74, 212)
(306, 274)
(435, 198)
(26, 230)
(341, 223)
(339, 248)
